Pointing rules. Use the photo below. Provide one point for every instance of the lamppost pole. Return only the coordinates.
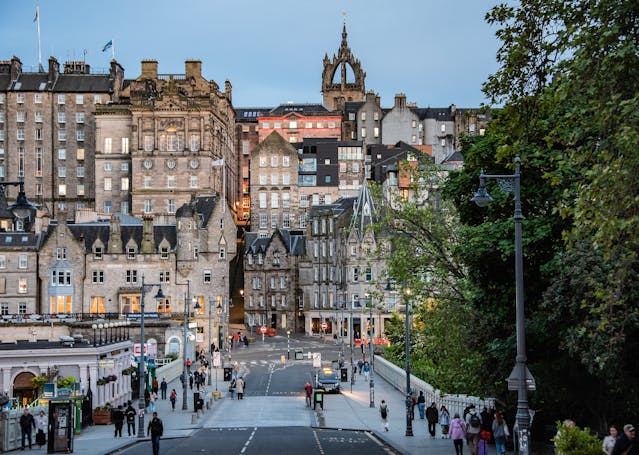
(288, 345)
(512, 184)
(141, 362)
(371, 384)
(409, 400)
(352, 340)
(187, 302)
(210, 346)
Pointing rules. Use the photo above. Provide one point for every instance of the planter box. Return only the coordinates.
(101, 417)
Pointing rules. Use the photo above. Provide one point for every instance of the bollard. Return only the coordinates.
(194, 417)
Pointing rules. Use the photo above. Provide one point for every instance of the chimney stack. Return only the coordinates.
(148, 245)
(149, 69)
(193, 68)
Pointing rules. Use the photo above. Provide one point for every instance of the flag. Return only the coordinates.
(107, 46)
(37, 14)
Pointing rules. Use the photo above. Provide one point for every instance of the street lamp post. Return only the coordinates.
(409, 400)
(21, 208)
(210, 346)
(187, 301)
(141, 375)
(100, 326)
(512, 184)
(351, 341)
(288, 344)
(371, 384)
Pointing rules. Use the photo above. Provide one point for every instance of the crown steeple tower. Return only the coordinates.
(337, 92)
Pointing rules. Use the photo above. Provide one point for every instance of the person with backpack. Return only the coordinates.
(383, 412)
(432, 416)
(130, 418)
(155, 429)
(473, 427)
(118, 421)
(458, 433)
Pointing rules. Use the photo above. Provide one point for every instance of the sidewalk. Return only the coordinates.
(98, 439)
(352, 411)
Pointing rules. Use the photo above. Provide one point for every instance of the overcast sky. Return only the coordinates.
(437, 52)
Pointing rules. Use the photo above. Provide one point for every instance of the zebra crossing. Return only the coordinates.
(266, 362)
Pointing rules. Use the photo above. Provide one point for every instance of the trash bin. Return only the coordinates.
(196, 401)
(299, 354)
(318, 398)
(228, 371)
(344, 374)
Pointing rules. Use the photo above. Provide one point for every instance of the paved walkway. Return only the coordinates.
(348, 410)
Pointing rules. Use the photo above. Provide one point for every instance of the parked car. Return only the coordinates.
(327, 380)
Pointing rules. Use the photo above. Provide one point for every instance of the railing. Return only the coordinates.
(396, 377)
(69, 317)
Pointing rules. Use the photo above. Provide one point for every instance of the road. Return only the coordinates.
(273, 417)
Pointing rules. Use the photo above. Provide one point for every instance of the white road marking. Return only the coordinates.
(317, 441)
(248, 441)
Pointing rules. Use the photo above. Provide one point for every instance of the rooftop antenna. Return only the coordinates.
(37, 20)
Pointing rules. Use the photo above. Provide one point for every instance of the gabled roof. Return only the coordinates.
(90, 232)
(83, 83)
(294, 241)
(352, 106)
(364, 212)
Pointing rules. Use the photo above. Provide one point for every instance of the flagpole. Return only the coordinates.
(113, 49)
(40, 68)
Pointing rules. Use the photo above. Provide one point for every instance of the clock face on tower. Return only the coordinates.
(170, 164)
(148, 164)
(194, 164)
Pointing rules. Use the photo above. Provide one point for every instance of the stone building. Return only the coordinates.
(296, 122)
(271, 284)
(274, 185)
(47, 130)
(347, 85)
(169, 137)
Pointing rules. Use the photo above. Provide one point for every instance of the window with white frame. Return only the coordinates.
(165, 276)
(20, 98)
(131, 276)
(125, 145)
(62, 135)
(108, 185)
(262, 198)
(208, 276)
(124, 184)
(22, 261)
(171, 181)
(22, 286)
(130, 252)
(97, 99)
(107, 206)
(148, 182)
(274, 178)
(37, 98)
(61, 99)
(194, 181)
(97, 277)
(79, 99)
(98, 252)
(164, 252)
(171, 206)
(79, 117)
(20, 116)
(263, 220)
(79, 135)
(262, 178)
(274, 220)
(148, 143)
(275, 200)
(79, 172)
(148, 207)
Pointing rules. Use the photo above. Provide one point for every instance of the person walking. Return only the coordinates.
(473, 427)
(309, 390)
(432, 416)
(163, 387)
(383, 412)
(458, 433)
(42, 426)
(421, 404)
(626, 443)
(232, 388)
(172, 398)
(500, 433)
(367, 370)
(153, 397)
(239, 387)
(155, 429)
(130, 419)
(118, 421)
(444, 421)
(610, 440)
(27, 424)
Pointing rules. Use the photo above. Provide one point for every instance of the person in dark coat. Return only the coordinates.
(130, 419)
(163, 387)
(27, 424)
(118, 421)
(432, 415)
(155, 429)
(627, 443)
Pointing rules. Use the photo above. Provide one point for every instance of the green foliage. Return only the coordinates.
(66, 383)
(571, 440)
(38, 382)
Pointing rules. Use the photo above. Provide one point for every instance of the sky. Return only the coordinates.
(437, 52)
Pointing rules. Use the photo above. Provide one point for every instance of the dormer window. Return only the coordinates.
(164, 253)
(97, 252)
(250, 259)
(260, 259)
(130, 253)
(222, 252)
(276, 258)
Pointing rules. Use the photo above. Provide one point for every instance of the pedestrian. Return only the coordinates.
(360, 365)
(27, 424)
(626, 443)
(153, 397)
(173, 397)
(500, 433)
(367, 370)
(42, 426)
(444, 421)
(155, 429)
(610, 440)
(130, 419)
(118, 421)
(163, 387)
(246, 342)
(239, 387)
(432, 416)
(458, 433)
(191, 378)
(155, 387)
(383, 412)
(309, 390)
(473, 427)
(232, 388)
(421, 404)
(188, 364)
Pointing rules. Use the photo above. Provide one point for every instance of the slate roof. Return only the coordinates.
(20, 240)
(255, 244)
(284, 109)
(90, 232)
(294, 242)
(4, 82)
(243, 114)
(65, 83)
(352, 106)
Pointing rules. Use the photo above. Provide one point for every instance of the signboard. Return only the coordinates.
(317, 359)
(147, 315)
(49, 390)
(263, 329)
(217, 359)
(150, 350)
(108, 363)
(324, 325)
